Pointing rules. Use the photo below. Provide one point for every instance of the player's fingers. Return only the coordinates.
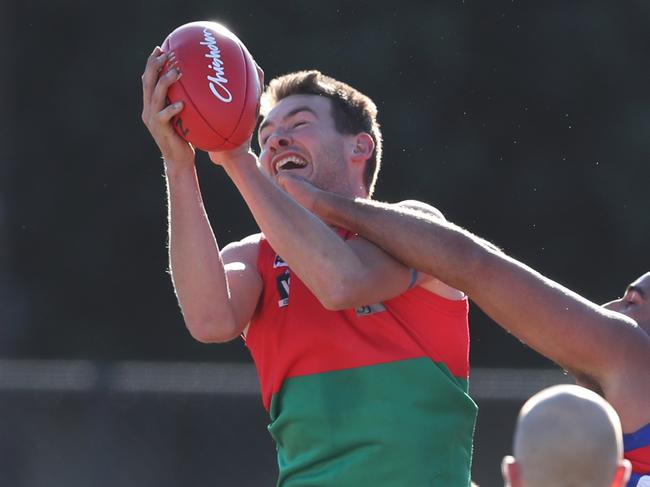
(155, 53)
(166, 114)
(151, 73)
(154, 56)
(152, 70)
(159, 96)
(170, 73)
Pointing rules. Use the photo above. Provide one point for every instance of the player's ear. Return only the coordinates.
(622, 473)
(511, 471)
(362, 147)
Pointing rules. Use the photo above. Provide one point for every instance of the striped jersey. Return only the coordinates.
(370, 396)
(637, 450)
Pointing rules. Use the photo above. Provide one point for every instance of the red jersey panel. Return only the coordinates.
(292, 334)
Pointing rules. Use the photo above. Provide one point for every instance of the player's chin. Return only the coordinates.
(282, 179)
(302, 173)
(288, 180)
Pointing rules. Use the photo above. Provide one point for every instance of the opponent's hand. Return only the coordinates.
(157, 115)
(305, 193)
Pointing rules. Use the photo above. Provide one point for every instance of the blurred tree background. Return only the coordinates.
(526, 122)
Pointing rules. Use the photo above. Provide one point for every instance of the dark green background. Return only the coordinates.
(526, 122)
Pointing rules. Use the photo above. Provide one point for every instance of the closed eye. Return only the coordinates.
(264, 138)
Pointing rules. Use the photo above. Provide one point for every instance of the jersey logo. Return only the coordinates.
(644, 481)
(283, 282)
(278, 262)
(370, 309)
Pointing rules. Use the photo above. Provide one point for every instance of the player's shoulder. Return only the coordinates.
(245, 249)
(431, 283)
(422, 207)
(250, 241)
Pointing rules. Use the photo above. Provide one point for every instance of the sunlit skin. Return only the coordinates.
(604, 347)
(635, 303)
(302, 126)
(221, 288)
(218, 288)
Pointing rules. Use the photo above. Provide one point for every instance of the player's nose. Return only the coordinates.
(278, 140)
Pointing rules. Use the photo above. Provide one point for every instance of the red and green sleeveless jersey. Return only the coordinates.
(374, 396)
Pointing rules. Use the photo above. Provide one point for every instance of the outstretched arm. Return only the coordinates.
(579, 335)
(217, 293)
(341, 274)
(217, 290)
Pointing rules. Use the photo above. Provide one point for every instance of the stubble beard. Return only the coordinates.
(332, 173)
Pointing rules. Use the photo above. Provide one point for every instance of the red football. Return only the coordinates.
(219, 87)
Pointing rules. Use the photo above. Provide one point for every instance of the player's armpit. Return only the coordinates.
(438, 287)
(428, 282)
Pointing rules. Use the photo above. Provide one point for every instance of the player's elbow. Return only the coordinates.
(342, 294)
(212, 330)
(212, 335)
(332, 304)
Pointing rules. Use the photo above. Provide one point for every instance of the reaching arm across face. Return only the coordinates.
(341, 274)
(565, 327)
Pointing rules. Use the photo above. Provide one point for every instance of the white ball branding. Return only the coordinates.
(218, 82)
(220, 88)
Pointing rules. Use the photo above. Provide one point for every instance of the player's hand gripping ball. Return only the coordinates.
(220, 87)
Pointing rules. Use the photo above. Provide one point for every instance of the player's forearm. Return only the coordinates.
(550, 318)
(322, 260)
(408, 235)
(195, 264)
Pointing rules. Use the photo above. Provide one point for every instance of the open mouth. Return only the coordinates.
(291, 161)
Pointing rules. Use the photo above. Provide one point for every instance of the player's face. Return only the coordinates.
(299, 135)
(635, 303)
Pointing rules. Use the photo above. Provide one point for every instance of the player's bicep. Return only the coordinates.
(436, 286)
(244, 280)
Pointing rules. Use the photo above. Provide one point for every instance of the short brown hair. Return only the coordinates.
(352, 111)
